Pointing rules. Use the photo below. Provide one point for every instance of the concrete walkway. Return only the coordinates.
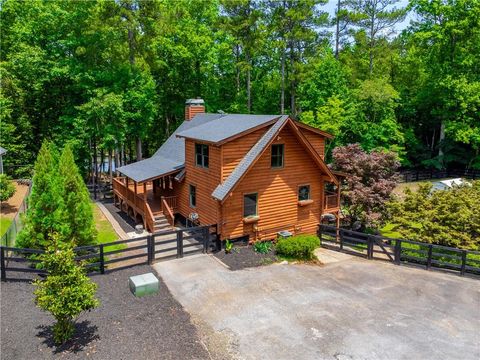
(353, 309)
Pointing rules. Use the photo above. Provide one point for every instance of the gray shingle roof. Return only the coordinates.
(222, 190)
(169, 158)
(226, 126)
(2, 151)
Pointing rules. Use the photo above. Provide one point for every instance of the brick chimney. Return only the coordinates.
(194, 107)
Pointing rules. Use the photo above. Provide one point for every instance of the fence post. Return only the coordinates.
(429, 258)
(102, 260)
(206, 239)
(180, 244)
(340, 231)
(2, 264)
(398, 251)
(464, 262)
(150, 249)
(369, 247)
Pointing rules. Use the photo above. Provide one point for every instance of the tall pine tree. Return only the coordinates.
(45, 202)
(77, 215)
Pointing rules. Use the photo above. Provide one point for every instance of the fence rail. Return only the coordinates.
(97, 258)
(419, 175)
(400, 251)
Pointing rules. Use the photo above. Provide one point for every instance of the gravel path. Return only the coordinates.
(123, 327)
(125, 221)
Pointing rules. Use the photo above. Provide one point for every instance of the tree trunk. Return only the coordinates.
(337, 30)
(249, 83)
(292, 81)
(117, 160)
(110, 163)
(371, 42)
(102, 162)
(95, 177)
(123, 156)
(139, 149)
(441, 138)
(282, 93)
(237, 57)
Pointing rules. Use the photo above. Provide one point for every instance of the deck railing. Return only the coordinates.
(136, 201)
(168, 211)
(172, 202)
(331, 200)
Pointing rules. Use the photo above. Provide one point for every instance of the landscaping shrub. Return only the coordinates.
(7, 189)
(66, 292)
(298, 247)
(262, 247)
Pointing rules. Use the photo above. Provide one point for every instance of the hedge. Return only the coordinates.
(299, 247)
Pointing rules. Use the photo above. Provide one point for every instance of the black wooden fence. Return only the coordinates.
(400, 251)
(419, 175)
(101, 257)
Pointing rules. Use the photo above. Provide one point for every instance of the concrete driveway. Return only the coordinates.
(352, 309)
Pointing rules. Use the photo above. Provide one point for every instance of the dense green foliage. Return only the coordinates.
(76, 210)
(444, 217)
(111, 77)
(58, 204)
(370, 180)
(298, 247)
(66, 292)
(262, 247)
(7, 188)
(44, 214)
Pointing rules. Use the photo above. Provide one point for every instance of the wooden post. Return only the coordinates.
(398, 251)
(2, 264)
(150, 249)
(429, 258)
(340, 234)
(464, 262)
(206, 239)
(145, 191)
(369, 247)
(102, 260)
(180, 244)
(337, 224)
(135, 187)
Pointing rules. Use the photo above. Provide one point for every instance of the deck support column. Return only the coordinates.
(135, 187)
(145, 191)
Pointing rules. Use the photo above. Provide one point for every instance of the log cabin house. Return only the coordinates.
(251, 175)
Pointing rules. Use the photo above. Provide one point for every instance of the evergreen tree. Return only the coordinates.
(44, 215)
(66, 292)
(77, 215)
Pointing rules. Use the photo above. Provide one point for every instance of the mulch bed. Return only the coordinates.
(122, 327)
(244, 257)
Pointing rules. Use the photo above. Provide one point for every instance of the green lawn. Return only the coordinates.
(4, 224)
(106, 234)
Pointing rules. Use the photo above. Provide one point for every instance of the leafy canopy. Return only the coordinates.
(443, 217)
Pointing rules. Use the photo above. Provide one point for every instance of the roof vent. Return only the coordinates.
(194, 107)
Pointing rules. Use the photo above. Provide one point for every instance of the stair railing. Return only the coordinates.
(168, 212)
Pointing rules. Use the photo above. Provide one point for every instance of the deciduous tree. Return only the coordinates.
(371, 178)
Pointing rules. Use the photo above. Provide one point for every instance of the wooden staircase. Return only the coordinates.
(160, 223)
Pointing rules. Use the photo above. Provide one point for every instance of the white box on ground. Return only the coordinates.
(144, 284)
